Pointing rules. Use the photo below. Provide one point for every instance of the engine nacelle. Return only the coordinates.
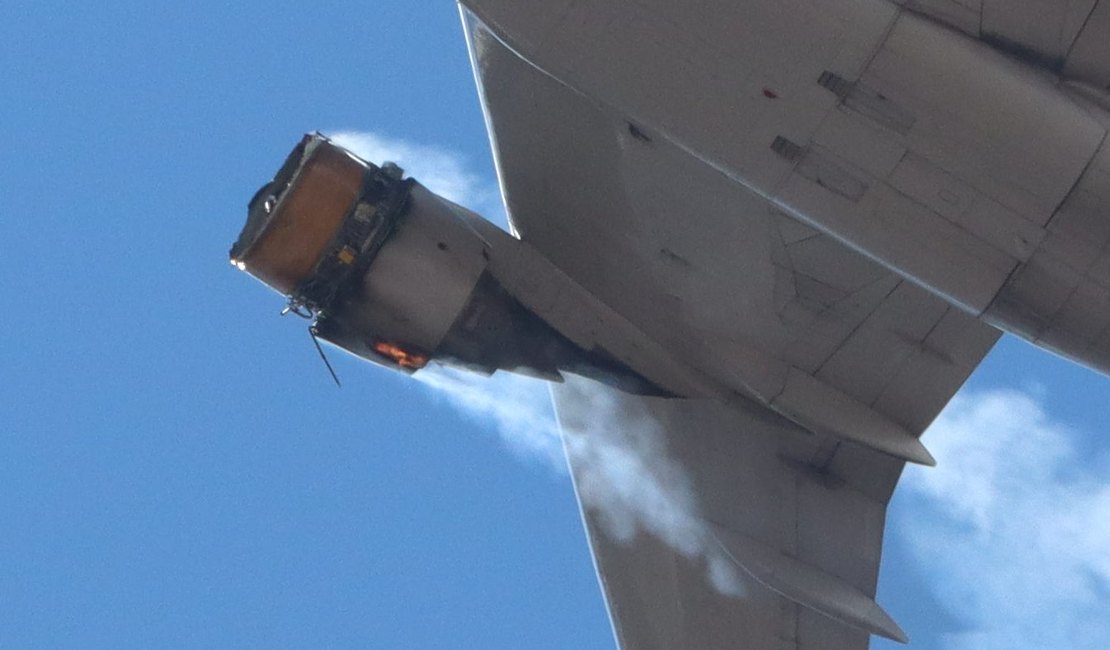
(397, 275)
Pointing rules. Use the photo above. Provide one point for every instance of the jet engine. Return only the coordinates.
(395, 274)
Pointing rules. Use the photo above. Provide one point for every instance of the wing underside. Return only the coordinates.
(1068, 36)
(709, 532)
(714, 525)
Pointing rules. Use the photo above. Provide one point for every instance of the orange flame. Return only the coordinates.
(402, 357)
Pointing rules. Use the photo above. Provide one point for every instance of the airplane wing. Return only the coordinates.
(713, 525)
(1072, 36)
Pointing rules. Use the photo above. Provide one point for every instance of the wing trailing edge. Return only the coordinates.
(807, 585)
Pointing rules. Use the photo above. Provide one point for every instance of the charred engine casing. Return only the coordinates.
(397, 275)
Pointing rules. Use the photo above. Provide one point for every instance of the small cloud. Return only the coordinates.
(1015, 532)
(443, 171)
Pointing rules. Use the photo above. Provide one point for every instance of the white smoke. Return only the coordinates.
(1013, 526)
(622, 468)
(440, 170)
(518, 407)
(623, 472)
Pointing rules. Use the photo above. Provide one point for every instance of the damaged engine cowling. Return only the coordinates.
(397, 275)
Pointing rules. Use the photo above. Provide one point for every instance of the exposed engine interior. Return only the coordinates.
(398, 275)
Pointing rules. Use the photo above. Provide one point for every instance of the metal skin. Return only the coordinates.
(968, 173)
(400, 276)
(407, 278)
(426, 279)
(978, 175)
(920, 150)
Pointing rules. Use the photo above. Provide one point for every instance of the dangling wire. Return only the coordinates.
(320, 349)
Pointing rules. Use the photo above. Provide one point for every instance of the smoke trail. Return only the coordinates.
(623, 472)
(618, 452)
(440, 170)
(519, 408)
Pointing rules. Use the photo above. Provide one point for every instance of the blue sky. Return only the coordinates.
(176, 468)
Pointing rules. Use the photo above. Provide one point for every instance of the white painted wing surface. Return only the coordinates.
(1068, 36)
(708, 531)
(712, 272)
